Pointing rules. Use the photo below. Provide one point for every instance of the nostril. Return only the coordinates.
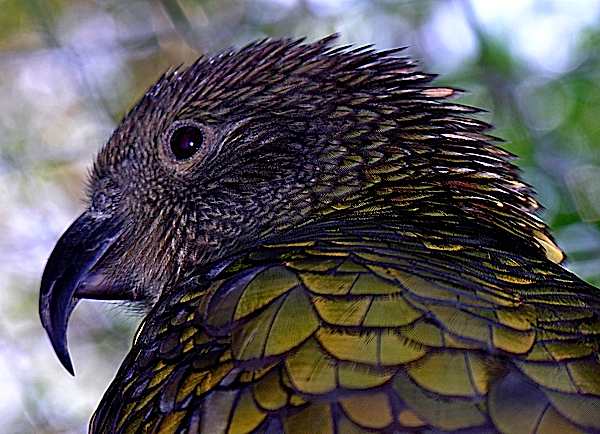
(103, 197)
(99, 204)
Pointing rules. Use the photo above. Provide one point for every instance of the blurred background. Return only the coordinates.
(69, 70)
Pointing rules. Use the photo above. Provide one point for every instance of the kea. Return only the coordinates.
(323, 241)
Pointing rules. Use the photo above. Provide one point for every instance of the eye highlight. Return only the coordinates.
(185, 141)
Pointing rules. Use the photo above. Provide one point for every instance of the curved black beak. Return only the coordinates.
(70, 275)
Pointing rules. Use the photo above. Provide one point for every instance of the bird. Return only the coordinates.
(323, 240)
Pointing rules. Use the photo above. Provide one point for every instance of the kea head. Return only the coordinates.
(270, 142)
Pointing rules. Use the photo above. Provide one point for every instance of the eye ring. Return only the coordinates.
(185, 140)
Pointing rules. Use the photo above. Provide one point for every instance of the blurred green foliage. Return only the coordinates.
(69, 70)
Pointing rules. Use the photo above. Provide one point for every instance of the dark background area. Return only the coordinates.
(69, 70)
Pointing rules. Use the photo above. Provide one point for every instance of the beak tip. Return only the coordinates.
(65, 360)
(68, 366)
(55, 323)
(62, 352)
(59, 344)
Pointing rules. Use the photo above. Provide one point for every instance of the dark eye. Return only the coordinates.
(186, 141)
